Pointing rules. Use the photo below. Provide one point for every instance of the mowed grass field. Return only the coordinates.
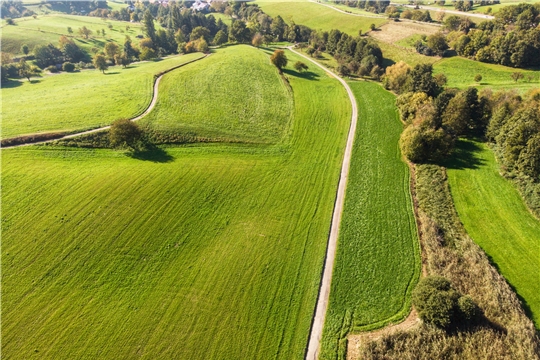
(205, 100)
(461, 72)
(378, 261)
(47, 29)
(318, 17)
(81, 100)
(496, 217)
(211, 252)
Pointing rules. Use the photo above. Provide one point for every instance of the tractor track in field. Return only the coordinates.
(317, 324)
(150, 107)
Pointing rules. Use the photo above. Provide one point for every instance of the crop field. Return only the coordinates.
(318, 17)
(196, 252)
(75, 101)
(496, 218)
(377, 261)
(261, 116)
(461, 72)
(47, 29)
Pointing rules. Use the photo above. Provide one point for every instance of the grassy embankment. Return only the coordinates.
(231, 116)
(377, 261)
(47, 29)
(318, 17)
(206, 252)
(461, 72)
(81, 100)
(496, 217)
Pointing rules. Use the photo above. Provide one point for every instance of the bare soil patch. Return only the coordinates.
(395, 31)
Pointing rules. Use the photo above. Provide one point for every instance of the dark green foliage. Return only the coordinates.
(300, 66)
(377, 7)
(421, 80)
(67, 66)
(421, 144)
(279, 59)
(125, 133)
(239, 32)
(46, 55)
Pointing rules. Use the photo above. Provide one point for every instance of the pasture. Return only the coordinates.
(497, 219)
(318, 17)
(461, 72)
(198, 99)
(207, 251)
(47, 29)
(81, 100)
(377, 261)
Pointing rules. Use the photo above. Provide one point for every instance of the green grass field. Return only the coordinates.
(207, 252)
(75, 101)
(377, 260)
(394, 53)
(48, 29)
(318, 17)
(198, 99)
(461, 72)
(496, 217)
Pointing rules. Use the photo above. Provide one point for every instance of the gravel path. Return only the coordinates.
(146, 112)
(324, 291)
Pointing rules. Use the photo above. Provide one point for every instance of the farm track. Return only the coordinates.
(324, 291)
(136, 118)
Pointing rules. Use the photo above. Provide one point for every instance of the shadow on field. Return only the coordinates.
(153, 154)
(465, 156)
(112, 73)
(11, 84)
(309, 75)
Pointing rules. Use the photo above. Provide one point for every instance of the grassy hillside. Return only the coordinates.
(318, 17)
(199, 99)
(460, 73)
(47, 29)
(207, 252)
(74, 101)
(495, 216)
(377, 260)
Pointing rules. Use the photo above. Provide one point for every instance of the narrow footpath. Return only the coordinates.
(324, 291)
(146, 112)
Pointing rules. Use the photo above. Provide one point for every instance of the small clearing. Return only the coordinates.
(393, 32)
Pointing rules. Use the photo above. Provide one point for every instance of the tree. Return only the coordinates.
(516, 76)
(437, 42)
(121, 60)
(46, 55)
(25, 50)
(279, 59)
(435, 301)
(84, 31)
(147, 54)
(129, 51)
(300, 66)
(396, 77)
(478, 78)
(220, 38)
(125, 133)
(111, 50)
(67, 66)
(26, 70)
(148, 26)
(201, 45)
(257, 40)
(69, 30)
(372, 27)
(200, 32)
(100, 62)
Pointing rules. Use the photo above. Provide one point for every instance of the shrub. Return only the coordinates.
(478, 78)
(52, 69)
(67, 66)
(125, 133)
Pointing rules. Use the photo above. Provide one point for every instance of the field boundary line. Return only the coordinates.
(155, 92)
(317, 324)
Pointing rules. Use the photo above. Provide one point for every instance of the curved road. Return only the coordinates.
(148, 109)
(324, 291)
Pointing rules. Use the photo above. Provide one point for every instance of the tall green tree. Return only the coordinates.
(148, 26)
(100, 63)
(279, 59)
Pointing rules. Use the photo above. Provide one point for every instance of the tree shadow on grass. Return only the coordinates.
(153, 154)
(11, 84)
(112, 73)
(309, 75)
(465, 156)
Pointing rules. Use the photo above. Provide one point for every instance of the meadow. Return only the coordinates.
(461, 72)
(318, 17)
(198, 100)
(496, 218)
(206, 251)
(377, 261)
(81, 100)
(47, 29)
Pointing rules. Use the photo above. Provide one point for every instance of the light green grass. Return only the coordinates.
(394, 53)
(377, 261)
(199, 98)
(409, 41)
(318, 17)
(496, 218)
(225, 18)
(350, 9)
(461, 72)
(48, 29)
(75, 101)
(214, 254)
